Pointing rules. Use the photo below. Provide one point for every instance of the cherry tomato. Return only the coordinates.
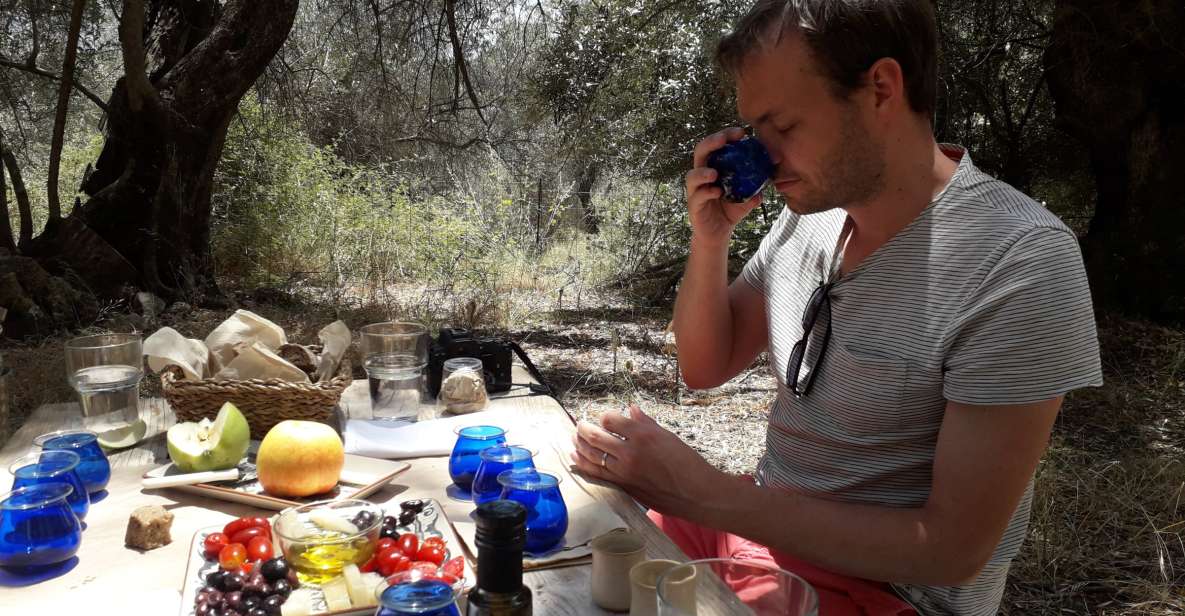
(430, 553)
(370, 565)
(434, 540)
(247, 534)
(454, 568)
(392, 562)
(260, 548)
(383, 545)
(427, 569)
(213, 544)
(409, 544)
(247, 568)
(232, 556)
(241, 523)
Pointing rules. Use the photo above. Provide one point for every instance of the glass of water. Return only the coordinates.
(106, 371)
(394, 355)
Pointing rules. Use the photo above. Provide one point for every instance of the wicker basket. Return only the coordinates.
(265, 403)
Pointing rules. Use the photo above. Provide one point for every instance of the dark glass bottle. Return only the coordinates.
(501, 535)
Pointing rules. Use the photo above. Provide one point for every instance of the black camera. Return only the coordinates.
(494, 353)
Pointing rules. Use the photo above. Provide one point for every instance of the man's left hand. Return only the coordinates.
(649, 462)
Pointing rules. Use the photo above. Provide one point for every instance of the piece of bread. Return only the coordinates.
(148, 528)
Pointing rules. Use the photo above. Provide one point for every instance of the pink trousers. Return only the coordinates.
(839, 595)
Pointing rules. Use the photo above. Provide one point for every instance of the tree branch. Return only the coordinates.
(1032, 104)
(59, 124)
(6, 239)
(453, 145)
(443, 143)
(18, 189)
(100, 103)
(141, 93)
(239, 47)
(459, 57)
(378, 44)
(31, 59)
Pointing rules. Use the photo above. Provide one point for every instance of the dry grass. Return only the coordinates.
(1106, 531)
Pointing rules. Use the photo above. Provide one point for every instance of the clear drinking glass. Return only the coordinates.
(106, 370)
(394, 356)
(757, 588)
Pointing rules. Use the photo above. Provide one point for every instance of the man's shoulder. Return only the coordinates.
(982, 205)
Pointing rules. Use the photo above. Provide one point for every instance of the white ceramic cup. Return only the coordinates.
(614, 554)
(644, 580)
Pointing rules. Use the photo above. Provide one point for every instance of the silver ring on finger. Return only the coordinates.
(604, 459)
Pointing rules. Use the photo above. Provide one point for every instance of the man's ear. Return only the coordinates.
(888, 84)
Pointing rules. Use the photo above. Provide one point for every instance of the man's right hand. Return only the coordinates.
(712, 217)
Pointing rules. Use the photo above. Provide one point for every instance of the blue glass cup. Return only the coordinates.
(495, 461)
(410, 593)
(547, 515)
(37, 527)
(743, 168)
(471, 440)
(93, 467)
(47, 467)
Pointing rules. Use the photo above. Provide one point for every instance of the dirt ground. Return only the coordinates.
(1105, 536)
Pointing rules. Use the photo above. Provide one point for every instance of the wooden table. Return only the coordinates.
(112, 579)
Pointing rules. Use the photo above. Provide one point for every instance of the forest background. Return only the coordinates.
(517, 166)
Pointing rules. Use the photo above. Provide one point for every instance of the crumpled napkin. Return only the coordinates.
(167, 347)
(240, 330)
(255, 361)
(394, 440)
(335, 339)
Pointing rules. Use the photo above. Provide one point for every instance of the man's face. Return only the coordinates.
(824, 154)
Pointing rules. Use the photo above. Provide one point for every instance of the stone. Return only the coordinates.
(149, 305)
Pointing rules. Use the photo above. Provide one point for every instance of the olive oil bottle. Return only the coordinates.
(501, 535)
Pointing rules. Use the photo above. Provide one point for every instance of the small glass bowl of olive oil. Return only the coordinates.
(319, 539)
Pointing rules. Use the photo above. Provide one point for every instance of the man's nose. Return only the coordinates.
(775, 155)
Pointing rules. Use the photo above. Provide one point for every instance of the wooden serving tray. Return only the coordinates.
(361, 477)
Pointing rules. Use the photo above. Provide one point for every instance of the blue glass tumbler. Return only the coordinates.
(93, 467)
(48, 467)
(547, 515)
(409, 593)
(495, 461)
(743, 167)
(37, 527)
(471, 440)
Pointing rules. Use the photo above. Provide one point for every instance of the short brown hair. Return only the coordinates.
(847, 37)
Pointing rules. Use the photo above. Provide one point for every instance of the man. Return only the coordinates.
(942, 317)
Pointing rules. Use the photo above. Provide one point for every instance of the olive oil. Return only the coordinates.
(320, 557)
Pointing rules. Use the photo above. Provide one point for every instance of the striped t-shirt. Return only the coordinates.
(981, 299)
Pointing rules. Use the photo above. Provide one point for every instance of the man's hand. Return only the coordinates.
(712, 218)
(649, 462)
